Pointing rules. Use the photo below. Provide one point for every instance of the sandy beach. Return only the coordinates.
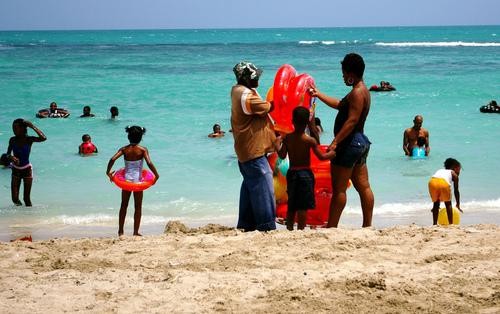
(219, 269)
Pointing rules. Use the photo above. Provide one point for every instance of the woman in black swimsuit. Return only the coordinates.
(350, 143)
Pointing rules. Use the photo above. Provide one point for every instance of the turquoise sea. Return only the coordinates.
(176, 84)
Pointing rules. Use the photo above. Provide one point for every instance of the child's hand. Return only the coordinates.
(110, 175)
(15, 160)
(458, 207)
(156, 179)
(330, 154)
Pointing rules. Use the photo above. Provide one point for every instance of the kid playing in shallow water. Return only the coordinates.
(217, 131)
(440, 188)
(20, 147)
(300, 179)
(133, 154)
(87, 147)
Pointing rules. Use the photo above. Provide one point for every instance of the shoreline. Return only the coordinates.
(216, 268)
(18, 227)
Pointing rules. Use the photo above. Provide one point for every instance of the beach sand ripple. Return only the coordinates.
(219, 269)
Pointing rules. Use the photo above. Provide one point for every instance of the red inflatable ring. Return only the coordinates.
(147, 180)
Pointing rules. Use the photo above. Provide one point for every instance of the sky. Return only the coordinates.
(196, 14)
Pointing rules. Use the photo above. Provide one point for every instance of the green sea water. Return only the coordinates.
(176, 84)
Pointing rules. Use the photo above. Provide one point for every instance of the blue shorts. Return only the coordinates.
(257, 203)
(300, 188)
(354, 153)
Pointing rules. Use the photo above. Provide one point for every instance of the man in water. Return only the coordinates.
(411, 135)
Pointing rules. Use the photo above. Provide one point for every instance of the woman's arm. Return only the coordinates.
(328, 100)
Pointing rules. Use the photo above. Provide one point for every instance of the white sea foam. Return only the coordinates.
(403, 209)
(439, 44)
(319, 42)
(308, 42)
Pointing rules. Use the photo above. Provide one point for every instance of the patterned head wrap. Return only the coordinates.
(246, 70)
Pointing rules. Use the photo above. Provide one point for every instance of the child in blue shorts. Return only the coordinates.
(299, 178)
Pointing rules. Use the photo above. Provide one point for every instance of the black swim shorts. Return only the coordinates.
(354, 153)
(25, 173)
(300, 189)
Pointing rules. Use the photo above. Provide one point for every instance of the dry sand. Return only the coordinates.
(403, 269)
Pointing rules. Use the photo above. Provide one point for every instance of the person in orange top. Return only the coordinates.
(253, 138)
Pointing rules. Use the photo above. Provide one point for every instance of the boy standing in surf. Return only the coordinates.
(440, 188)
(299, 178)
(133, 154)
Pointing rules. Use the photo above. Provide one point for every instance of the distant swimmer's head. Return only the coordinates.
(453, 164)
(216, 128)
(317, 121)
(417, 122)
(53, 107)
(135, 133)
(300, 117)
(19, 127)
(353, 68)
(86, 138)
(247, 74)
(86, 110)
(114, 111)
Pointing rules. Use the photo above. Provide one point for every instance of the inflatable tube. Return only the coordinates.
(377, 88)
(322, 191)
(418, 153)
(87, 148)
(289, 91)
(58, 113)
(147, 180)
(489, 109)
(443, 217)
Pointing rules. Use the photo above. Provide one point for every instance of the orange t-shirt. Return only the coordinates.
(253, 136)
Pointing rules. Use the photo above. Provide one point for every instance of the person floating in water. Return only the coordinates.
(217, 131)
(86, 113)
(383, 87)
(411, 135)
(114, 112)
(133, 154)
(87, 147)
(53, 112)
(18, 153)
(491, 107)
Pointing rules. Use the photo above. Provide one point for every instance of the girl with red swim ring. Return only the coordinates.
(133, 154)
(87, 147)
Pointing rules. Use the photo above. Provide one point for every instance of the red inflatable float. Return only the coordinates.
(322, 190)
(87, 148)
(289, 91)
(147, 179)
